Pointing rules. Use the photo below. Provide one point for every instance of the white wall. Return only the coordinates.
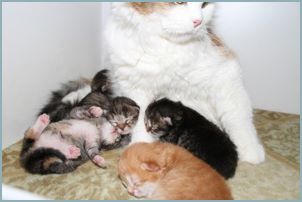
(266, 38)
(44, 44)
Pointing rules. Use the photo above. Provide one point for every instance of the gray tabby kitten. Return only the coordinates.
(62, 146)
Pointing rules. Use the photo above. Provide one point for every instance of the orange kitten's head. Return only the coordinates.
(141, 167)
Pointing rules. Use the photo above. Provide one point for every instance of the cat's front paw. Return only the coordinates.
(73, 152)
(141, 137)
(95, 111)
(254, 154)
(99, 161)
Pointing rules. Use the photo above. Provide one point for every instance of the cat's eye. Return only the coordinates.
(204, 4)
(180, 2)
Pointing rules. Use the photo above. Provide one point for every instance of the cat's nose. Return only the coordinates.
(121, 126)
(196, 22)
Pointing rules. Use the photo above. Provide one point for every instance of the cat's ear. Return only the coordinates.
(208, 12)
(150, 166)
(167, 120)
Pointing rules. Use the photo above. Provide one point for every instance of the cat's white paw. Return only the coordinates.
(254, 154)
(141, 137)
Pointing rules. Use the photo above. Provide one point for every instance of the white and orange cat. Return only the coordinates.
(167, 49)
(164, 171)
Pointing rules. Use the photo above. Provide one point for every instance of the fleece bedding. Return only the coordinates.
(277, 178)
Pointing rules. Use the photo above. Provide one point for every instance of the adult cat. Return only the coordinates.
(167, 50)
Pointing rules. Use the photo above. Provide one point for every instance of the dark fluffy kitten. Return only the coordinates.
(58, 107)
(175, 123)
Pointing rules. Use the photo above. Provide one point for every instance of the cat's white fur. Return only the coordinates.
(162, 55)
(77, 95)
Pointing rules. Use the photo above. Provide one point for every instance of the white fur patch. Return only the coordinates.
(78, 95)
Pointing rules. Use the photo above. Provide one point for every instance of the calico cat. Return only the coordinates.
(175, 123)
(169, 49)
(164, 171)
(60, 147)
(71, 95)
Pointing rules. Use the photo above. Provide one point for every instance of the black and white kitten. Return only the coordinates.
(71, 95)
(175, 123)
(60, 147)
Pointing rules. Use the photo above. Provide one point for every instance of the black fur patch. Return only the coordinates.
(196, 134)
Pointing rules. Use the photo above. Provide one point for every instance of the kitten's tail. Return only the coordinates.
(47, 161)
(63, 100)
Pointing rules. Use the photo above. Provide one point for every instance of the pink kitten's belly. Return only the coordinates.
(78, 129)
(82, 129)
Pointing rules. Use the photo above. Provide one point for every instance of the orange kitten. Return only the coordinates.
(169, 172)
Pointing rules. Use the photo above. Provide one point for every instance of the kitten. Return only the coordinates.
(123, 114)
(175, 123)
(168, 49)
(70, 95)
(60, 147)
(163, 171)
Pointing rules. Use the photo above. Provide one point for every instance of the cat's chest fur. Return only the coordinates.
(153, 67)
(159, 62)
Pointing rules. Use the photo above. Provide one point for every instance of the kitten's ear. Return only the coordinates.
(150, 166)
(167, 120)
(178, 115)
(208, 12)
(106, 87)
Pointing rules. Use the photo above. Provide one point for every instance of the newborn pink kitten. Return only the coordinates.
(61, 146)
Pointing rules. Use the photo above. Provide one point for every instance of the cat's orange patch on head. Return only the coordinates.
(146, 8)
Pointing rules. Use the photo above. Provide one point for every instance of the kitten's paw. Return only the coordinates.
(254, 154)
(41, 123)
(100, 161)
(95, 111)
(44, 119)
(73, 152)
